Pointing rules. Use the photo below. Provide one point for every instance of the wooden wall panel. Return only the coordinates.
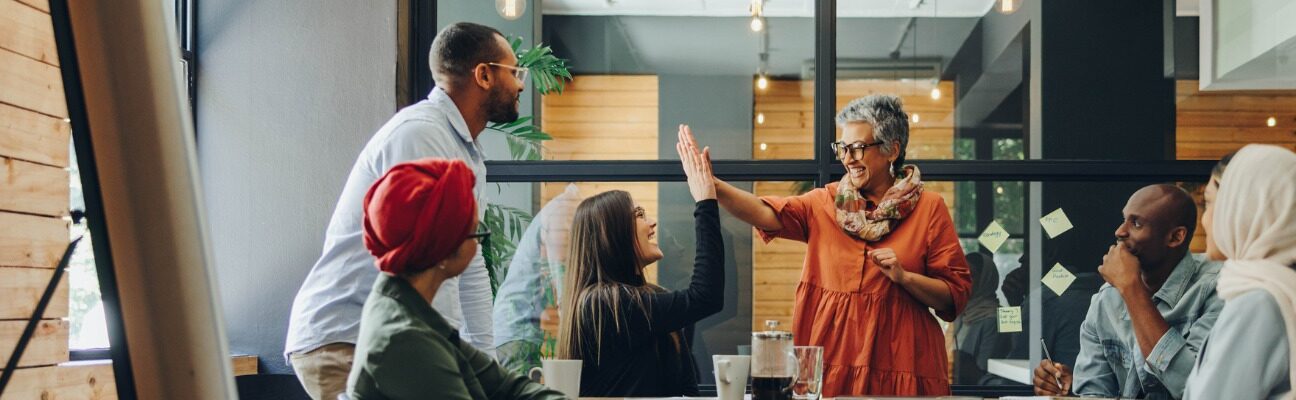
(1210, 125)
(49, 345)
(89, 380)
(602, 118)
(20, 288)
(27, 31)
(34, 186)
(31, 241)
(27, 189)
(31, 84)
(788, 108)
(34, 137)
(42, 5)
(244, 365)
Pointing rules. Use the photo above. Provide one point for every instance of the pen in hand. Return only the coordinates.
(1050, 361)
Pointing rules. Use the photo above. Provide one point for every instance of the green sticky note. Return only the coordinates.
(1010, 319)
(1058, 279)
(1056, 223)
(993, 237)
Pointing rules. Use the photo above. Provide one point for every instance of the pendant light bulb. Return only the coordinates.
(1271, 122)
(762, 82)
(1007, 6)
(757, 24)
(510, 9)
(936, 93)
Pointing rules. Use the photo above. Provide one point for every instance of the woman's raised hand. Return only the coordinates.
(697, 165)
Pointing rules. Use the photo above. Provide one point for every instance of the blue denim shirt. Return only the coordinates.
(1110, 363)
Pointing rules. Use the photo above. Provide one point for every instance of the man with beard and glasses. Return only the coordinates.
(478, 81)
(1145, 327)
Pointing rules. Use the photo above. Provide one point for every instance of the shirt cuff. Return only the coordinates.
(1165, 351)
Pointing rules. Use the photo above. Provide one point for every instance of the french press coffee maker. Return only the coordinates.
(774, 365)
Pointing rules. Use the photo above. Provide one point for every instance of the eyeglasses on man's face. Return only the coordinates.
(854, 150)
(518, 72)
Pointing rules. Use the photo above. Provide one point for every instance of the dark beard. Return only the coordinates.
(501, 108)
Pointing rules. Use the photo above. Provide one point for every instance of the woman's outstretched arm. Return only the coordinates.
(742, 204)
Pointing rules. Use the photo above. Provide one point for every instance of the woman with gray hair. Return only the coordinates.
(881, 254)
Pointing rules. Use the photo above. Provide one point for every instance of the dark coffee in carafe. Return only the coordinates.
(772, 388)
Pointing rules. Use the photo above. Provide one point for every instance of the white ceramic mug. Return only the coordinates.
(731, 376)
(561, 375)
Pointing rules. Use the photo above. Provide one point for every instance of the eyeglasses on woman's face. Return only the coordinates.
(481, 235)
(518, 72)
(854, 150)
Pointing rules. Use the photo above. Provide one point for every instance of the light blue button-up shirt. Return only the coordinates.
(1111, 363)
(1247, 355)
(328, 305)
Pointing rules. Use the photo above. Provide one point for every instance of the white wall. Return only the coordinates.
(1247, 29)
(288, 93)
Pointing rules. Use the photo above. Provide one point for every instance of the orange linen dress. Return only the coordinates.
(877, 338)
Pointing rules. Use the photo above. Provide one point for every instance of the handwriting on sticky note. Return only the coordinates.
(1010, 319)
(1058, 279)
(1056, 223)
(993, 237)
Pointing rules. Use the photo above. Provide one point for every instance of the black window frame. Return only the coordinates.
(823, 168)
(186, 17)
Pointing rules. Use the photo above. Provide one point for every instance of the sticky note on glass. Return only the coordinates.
(1058, 279)
(993, 236)
(1010, 319)
(1055, 223)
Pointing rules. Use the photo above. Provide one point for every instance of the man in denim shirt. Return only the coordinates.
(1145, 326)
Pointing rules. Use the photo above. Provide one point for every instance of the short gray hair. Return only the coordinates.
(886, 114)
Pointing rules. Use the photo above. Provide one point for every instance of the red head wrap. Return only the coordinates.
(418, 214)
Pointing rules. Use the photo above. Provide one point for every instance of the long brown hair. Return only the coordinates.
(602, 267)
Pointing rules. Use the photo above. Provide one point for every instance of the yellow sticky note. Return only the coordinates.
(993, 236)
(1055, 223)
(1010, 319)
(1058, 279)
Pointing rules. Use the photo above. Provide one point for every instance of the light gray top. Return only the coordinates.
(1247, 354)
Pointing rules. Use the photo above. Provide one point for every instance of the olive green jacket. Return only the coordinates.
(407, 351)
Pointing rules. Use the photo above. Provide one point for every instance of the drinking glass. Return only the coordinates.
(810, 379)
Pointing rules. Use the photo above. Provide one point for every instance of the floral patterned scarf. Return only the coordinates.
(852, 211)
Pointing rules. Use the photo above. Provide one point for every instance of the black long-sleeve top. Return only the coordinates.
(646, 350)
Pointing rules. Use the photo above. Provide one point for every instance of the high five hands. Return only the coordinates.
(697, 165)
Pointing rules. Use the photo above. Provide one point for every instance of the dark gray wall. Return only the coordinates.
(288, 93)
(1107, 97)
(719, 110)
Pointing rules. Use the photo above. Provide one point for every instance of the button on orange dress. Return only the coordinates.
(877, 338)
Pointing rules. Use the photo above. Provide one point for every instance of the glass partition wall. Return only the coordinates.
(760, 83)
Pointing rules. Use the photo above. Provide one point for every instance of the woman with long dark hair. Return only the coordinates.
(633, 335)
